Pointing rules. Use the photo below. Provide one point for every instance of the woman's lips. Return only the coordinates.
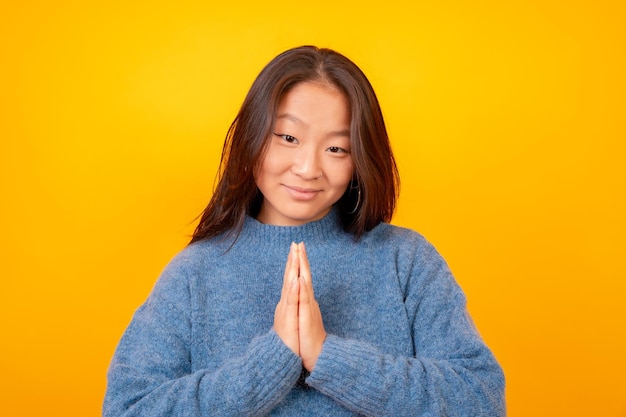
(302, 193)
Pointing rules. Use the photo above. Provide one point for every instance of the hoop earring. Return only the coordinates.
(358, 198)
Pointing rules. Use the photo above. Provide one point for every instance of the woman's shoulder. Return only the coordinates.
(195, 255)
(406, 241)
(399, 235)
(415, 256)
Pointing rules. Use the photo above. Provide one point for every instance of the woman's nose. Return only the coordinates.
(306, 165)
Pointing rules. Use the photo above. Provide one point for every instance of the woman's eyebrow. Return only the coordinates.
(295, 119)
(289, 116)
(345, 132)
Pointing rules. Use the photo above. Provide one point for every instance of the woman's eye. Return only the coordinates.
(287, 138)
(336, 149)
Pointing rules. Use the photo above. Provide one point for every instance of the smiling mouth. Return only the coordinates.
(302, 193)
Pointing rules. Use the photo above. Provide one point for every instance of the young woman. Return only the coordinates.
(295, 296)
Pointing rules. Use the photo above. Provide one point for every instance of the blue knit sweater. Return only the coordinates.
(400, 341)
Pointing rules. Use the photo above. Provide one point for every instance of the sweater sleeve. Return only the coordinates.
(452, 373)
(151, 375)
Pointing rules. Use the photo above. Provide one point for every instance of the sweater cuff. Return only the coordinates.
(346, 371)
(273, 366)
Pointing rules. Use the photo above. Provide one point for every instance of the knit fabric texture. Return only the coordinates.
(400, 341)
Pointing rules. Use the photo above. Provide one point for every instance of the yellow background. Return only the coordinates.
(507, 118)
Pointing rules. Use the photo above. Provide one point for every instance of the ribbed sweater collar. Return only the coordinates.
(266, 236)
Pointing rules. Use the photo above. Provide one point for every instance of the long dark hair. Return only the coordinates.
(371, 196)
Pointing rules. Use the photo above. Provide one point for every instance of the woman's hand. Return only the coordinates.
(286, 313)
(310, 325)
(298, 319)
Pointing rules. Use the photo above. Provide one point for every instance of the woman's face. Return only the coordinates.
(307, 166)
